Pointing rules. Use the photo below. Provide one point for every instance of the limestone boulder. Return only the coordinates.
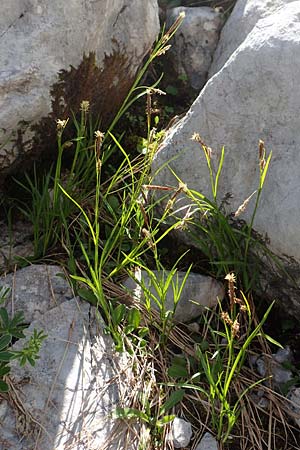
(53, 55)
(181, 433)
(253, 96)
(194, 43)
(67, 400)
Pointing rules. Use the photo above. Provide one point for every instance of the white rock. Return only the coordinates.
(40, 39)
(181, 433)
(194, 43)
(244, 17)
(208, 442)
(73, 388)
(35, 289)
(253, 96)
(199, 292)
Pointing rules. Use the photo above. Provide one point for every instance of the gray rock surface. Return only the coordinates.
(283, 355)
(244, 17)
(273, 366)
(39, 39)
(294, 397)
(280, 375)
(35, 289)
(198, 292)
(15, 241)
(194, 43)
(66, 400)
(208, 442)
(253, 96)
(181, 433)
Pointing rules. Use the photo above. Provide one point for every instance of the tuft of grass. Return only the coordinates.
(106, 224)
(229, 245)
(220, 368)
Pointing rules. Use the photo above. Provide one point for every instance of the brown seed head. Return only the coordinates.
(197, 138)
(242, 208)
(225, 317)
(235, 329)
(230, 277)
(261, 149)
(98, 143)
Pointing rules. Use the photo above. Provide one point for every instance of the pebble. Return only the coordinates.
(181, 433)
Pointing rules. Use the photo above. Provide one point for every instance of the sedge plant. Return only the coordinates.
(104, 254)
(48, 209)
(226, 245)
(221, 362)
(162, 290)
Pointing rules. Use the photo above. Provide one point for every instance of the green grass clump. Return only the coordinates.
(227, 245)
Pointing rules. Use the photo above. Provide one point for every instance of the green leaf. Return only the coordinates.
(179, 361)
(4, 371)
(31, 361)
(134, 317)
(265, 170)
(183, 77)
(17, 319)
(130, 413)
(6, 356)
(4, 317)
(88, 296)
(172, 90)
(174, 398)
(166, 419)
(176, 371)
(270, 339)
(143, 332)
(5, 341)
(169, 109)
(118, 314)
(113, 201)
(3, 386)
(143, 343)
(204, 345)
(3, 293)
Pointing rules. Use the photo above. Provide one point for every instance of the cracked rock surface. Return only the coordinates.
(66, 400)
(35, 289)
